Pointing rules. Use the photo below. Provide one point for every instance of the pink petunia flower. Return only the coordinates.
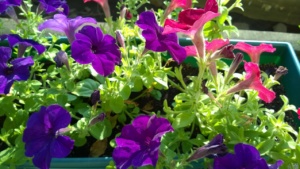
(184, 4)
(210, 47)
(254, 51)
(253, 81)
(191, 22)
(298, 112)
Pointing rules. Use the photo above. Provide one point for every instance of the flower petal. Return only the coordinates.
(61, 147)
(102, 65)
(177, 52)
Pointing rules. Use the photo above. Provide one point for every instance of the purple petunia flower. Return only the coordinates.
(62, 24)
(92, 46)
(50, 6)
(18, 71)
(158, 42)
(5, 4)
(138, 144)
(43, 135)
(215, 148)
(246, 156)
(14, 39)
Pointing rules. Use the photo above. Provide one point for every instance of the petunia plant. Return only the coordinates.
(129, 90)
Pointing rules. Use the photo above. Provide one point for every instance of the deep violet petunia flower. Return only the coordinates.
(253, 81)
(17, 71)
(60, 23)
(138, 144)
(254, 51)
(44, 138)
(92, 46)
(5, 4)
(156, 41)
(23, 44)
(215, 148)
(50, 6)
(245, 157)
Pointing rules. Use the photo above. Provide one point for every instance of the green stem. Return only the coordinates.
(176, 86)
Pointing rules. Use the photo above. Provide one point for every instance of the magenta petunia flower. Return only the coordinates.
(50, 6)
(62, 24)
(92, 46)
(138, 144)
(191, 21)
(17, 71)
(158, 42)
(184, 4)
(253, 81)
(5, 4)
(246, 156)
(215, 148)
(254, 51)
(44, 138)
(298, 112)
(210, 47)
(23, 44)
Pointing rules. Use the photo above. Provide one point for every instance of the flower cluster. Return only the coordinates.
(131, 89)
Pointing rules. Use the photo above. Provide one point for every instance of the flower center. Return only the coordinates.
(8, 71)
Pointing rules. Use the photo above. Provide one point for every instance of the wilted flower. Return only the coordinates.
(92, 46)
(253, 81)
(215, 148)
(43, 135)
(280, 71)
(50, 6)
(254, 51)
(246, 156)
(138, 144)
(156, 41)
(23, 44)
(60, 23)
(18, 71)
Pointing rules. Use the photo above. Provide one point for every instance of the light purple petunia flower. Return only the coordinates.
(43, 135)
(158, 42)
(18, 71)
(138, 144)
(92, 46)
(23, 44)
(50, 6)
(5, 4)
(62, 24)
(246, 156)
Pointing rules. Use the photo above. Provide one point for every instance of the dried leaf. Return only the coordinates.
(98, 148)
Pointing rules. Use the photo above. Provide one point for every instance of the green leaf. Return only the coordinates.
(86, 87)
(183, 120)
(101, 130)
(116, 104)
(5, 155)
(125, 92)
(265, 146)
(62, 99)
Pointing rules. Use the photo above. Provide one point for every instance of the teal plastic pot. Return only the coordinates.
(283, 56)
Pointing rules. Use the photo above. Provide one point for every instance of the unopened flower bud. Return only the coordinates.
(61, 59)
(95, 97)
(10, 11)
(120, 39)
(128, 15)
(215, 148)
(234, 65)
(123, 11)
(97, 119)
(280, 71)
